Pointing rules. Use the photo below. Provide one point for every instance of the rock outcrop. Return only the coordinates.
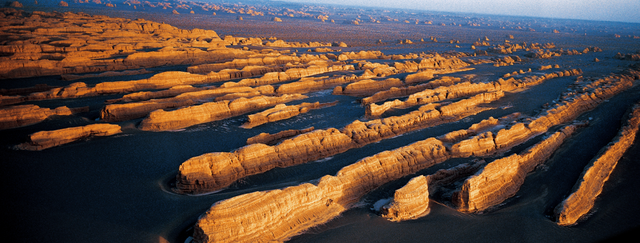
(596, 173)
(129, 111)
(502, 178)
(421, 95)
(47, 139)
(207, 173)
(297, 208)
(273, 139)
(409, 202)
(161, 120)
(281, 112)
(24, 115)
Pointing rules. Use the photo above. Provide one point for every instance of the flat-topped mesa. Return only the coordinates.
(597, 172)
(281, 112)
(161, 120)
(502, 178)
(278, 215)
(47, 139)
(129, 111)
(423, 96)
(409, 202)
(273, 139)
(24, 115)
(198, 175)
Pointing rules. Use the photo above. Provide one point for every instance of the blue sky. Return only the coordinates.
(607, 10)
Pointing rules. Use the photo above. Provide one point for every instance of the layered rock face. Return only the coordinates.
(202, 174)
(596, 173)
(409, 202)
(273, 139)
(502, 178)
(421, 95)
(281, 112)
(297, 208)
(23, 115)
(128, 111)
(161, 120)
(47, 139)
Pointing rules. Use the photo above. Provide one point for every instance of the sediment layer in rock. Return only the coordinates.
(596, 173)
(47, 139)
(161, 120)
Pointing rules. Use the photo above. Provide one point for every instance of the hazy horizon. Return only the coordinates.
(597, 10)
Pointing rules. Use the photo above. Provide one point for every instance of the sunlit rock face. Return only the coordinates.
(502, 178)
(409, 202)
(596, 173)
(47, 139)
(23, 115)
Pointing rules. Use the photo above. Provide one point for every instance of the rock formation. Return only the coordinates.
(297, 208)
(65, 43)
(129, 111)
(502, 178)
(597, 172)
(273, 139)
(281, 112)
(161, 120)
(47, 139)
(453, 91)
(208, 173)
(24, 115)
(409, 202)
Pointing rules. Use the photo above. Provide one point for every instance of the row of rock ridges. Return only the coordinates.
(206, 173)
(290, 74)
(160, 120)
(129, 111)
(24, 115)
(412, 200)
(597, 172)
(70, 77)
(54, 43)
(273, 139)
(502, 178)
(459, 90)
(397, 92)
(162, 80)
(277, 215)
(47, 139)
(282, 112)
(240, 63)
(230, 220)
(628, 56)
(297, 208)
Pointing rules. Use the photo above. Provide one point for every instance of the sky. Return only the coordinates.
(607, 10)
